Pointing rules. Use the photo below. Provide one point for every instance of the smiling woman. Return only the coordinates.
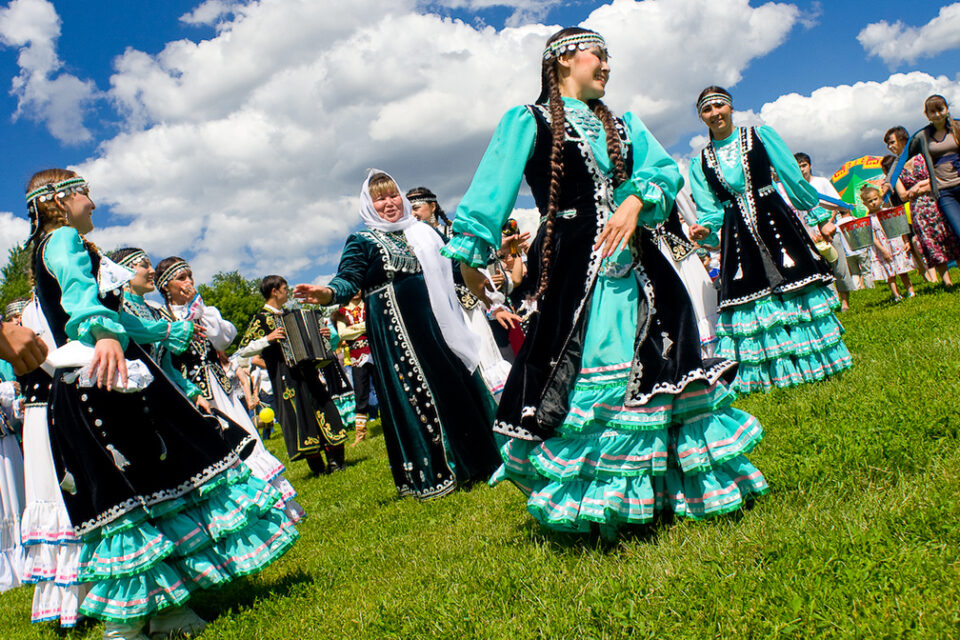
(776, 312)
(609, 415)
(134, 499)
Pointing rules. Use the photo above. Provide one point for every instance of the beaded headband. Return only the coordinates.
(172, 271)
(582, 41)
(15, 308)
(420, 199)
(713, 97)
(48, 192)
(134, 258)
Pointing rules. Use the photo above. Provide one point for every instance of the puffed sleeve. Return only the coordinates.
(801, 193)
(709, 209)
(656, 177)
(351, 270)
(220, 332)
(493, 192)
(67, 260)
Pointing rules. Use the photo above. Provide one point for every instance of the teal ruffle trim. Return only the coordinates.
(147, 561)
(782, 341)
(469, 250)
(347, 408)
(606, 468)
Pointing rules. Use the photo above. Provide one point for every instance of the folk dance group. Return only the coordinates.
(616, 407)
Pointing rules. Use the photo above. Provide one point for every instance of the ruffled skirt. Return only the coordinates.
(262, 463)
(609, 465)
(11, 506)
(51, 549)
(149, 560)
(784, 340)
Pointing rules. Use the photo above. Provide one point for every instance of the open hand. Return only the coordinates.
(107, 362)
(313, 294)
(507, 319)
(620, 227)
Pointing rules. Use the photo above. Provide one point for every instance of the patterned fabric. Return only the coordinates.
(937, 240)
(899, 261)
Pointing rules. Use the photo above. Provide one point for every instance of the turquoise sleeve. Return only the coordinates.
(802, 194)
(173, 335)
(656, 177)
(67, 260)
(493, 192)
(709, 209)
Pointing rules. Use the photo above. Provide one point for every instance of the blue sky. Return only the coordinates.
(188, 211)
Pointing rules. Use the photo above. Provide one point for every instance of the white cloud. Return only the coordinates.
(210, 12)
(45, 95)
(247, 150)
(898, 43)
(836, 124)
(13, 230)
(664, 53)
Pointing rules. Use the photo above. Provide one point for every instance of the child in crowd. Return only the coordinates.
(890, 257)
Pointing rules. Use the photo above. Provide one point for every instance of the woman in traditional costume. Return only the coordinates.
(776, 311)
(610, 413)
(435, 410)
(178, 346)
(493, 367)
(137, 499)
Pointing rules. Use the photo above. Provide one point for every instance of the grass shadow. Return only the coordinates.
(244, 593)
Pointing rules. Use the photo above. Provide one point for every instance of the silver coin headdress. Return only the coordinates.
(582, 41)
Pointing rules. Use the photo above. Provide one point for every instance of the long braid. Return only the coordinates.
(614, 148)
(558, 132)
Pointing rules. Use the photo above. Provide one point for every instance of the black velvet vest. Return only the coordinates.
(765, 249)
(534, 401)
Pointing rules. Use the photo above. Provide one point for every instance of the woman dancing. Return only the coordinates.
(200, 363)
(611, 414)
(435, 409)
(156, 501)
(776, 312)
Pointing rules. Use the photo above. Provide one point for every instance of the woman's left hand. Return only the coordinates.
(620, 227)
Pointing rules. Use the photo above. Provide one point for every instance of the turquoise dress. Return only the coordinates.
(158, 501)
(643, 425)
(776, 310)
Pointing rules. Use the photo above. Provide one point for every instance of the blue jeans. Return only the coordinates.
(949, 203)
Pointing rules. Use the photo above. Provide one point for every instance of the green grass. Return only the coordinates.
(859, 537)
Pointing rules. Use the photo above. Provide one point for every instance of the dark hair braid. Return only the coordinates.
(558, 132)
(614, 148)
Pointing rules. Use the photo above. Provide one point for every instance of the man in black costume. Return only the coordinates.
(306, 412)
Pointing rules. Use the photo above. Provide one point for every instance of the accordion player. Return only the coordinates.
(304, 344)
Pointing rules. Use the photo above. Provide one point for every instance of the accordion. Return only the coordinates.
(303, 343)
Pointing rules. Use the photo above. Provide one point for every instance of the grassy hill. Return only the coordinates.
(859, 537)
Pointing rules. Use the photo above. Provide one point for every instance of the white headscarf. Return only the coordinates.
(437, 273)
